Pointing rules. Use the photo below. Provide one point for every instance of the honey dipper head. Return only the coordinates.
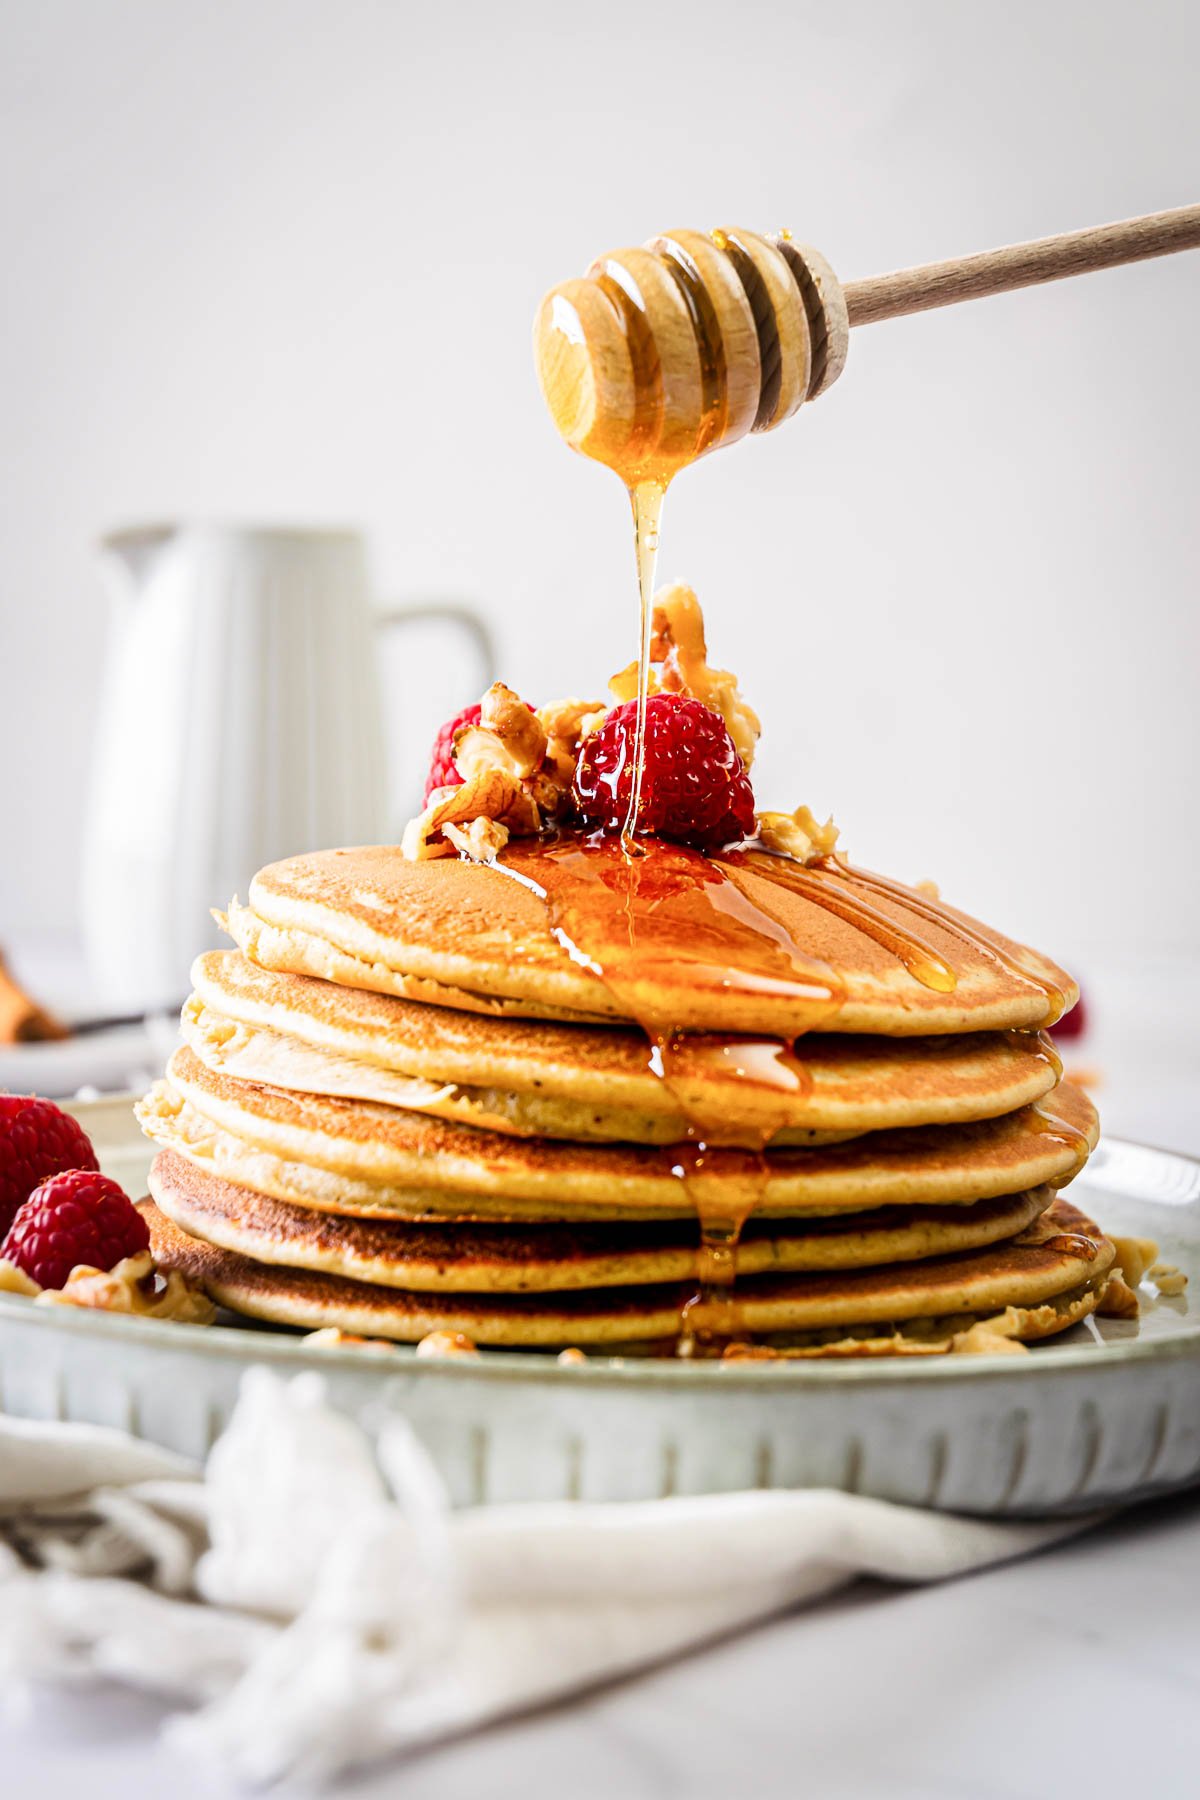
(659, 354)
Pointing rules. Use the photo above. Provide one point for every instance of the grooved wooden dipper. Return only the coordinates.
(659, 354)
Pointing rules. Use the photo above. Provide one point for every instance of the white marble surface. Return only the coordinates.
(1077, 1671)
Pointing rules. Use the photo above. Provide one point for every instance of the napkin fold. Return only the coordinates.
(314, 1604)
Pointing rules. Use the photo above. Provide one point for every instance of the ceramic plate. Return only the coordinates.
(1108, 1412)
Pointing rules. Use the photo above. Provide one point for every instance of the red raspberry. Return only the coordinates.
(1073, 1024)
(79, 1217)
(694, 787)
(36, 1139)
(442, 772)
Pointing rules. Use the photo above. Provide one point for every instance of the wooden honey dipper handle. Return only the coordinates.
(1021, 265)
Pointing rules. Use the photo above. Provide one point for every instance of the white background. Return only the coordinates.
(278, 260)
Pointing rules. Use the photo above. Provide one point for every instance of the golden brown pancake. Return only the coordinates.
(579, 1081)
(367, 918)
(462, 1257)
(354, 1157)
(1073, 1260)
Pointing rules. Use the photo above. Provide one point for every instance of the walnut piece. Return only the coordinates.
(16, 1281)
(446, 1343)
(330, 1337)
(679, 665)
(481, 841)
(1117, 1299)
(566, 724)
(991, 1337)
(508, 736)
(1168, 1279)
(1134, 1257)
(133, 1287)
(488, 794)
(797, 835)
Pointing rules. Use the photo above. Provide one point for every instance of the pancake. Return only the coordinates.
(368, 918)
(355, 1157)
(255, 1053)
(1073, 1263)
(578, 1081)
(457, 1257)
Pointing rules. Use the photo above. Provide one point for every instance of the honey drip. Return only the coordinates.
(1046, 1121)
(935, 913)
(647, 500)
(667, 918)
(915, 953)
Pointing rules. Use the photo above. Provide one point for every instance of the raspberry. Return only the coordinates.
(442, 772)
(36, 1139)
(694, 787)
(79, 1217)
(1073, 1024)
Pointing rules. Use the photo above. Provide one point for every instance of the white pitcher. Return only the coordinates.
(240, 721)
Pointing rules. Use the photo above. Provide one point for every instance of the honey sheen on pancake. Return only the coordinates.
(455, 1255)
(541, 1078)
(367, 918)
(399, 1154)
(1068, 1269)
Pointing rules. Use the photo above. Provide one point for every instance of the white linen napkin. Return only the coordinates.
(314, 1603)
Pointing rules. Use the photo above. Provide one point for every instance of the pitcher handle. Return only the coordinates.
(458, 613)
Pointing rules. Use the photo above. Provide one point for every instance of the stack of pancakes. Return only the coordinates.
(545, 1103)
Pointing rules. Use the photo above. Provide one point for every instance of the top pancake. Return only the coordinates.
(745, 942)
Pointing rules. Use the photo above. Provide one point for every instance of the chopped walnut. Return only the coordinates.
(991, 1337)
(331, 1338)
(447, 1343)
(1117, 1299)
(679, 665)
(490, 794)
(133, 1287)
(1134, 1257)
(508, 736)
(566, 724)
(481, 841)
(979, 1341)
(797, 835)
(1168, 1279)
(16, 1281)
(571, 1355)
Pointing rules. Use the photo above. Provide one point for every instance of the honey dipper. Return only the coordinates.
(659, 354)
